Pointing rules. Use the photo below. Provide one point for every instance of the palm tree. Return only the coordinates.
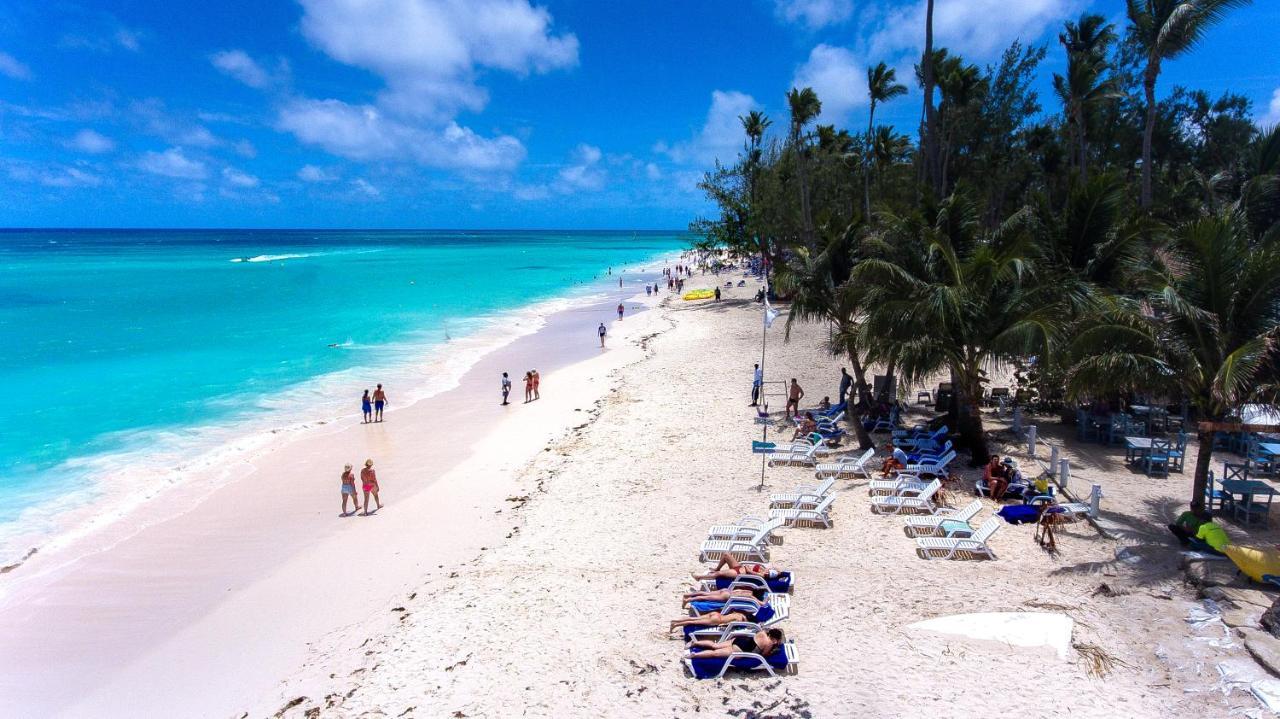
(882, 86)
(1083, 89)
(1206, 326)
(754, 123)
(1166, 29)
(805, 106)
(947, 296)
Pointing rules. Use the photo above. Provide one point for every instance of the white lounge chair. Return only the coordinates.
(742, 529)
(754, 548)
(949, 547)
(846, 467)
(802, 516)
(931, 526)
(797, 453)
(805, 494)
(935, 467)
(750, 661)
(922, 502)
(1073, 511)
(901, 484)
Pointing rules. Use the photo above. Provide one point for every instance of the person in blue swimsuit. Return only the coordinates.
(366, 405)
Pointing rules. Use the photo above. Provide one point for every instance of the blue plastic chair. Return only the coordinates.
(1158, 457)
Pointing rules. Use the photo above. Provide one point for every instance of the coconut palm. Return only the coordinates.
(754, 123)
(929, 141)
(804, 106)
(1084, 88)
(945, 295)
(1206, 326)
(1166, 29)
(882, 86)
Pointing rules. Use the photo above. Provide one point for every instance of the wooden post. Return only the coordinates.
(1031, 441)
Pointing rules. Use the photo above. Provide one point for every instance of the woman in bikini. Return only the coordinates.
(763, 642)
(537, 380)
(528, 387)
(730, 568)
(369, 482)
(724, 595)
(349, 490)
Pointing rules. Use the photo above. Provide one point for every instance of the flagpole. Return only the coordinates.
(764, 339)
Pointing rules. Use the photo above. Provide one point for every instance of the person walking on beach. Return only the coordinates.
(846, 383)
(794, 395)
(349, 491)
(757, 385)
(537, 380)
(369, 482)
(717, 293)
(621, 309)
(506, 388)
(528, 387)
(379, 401)
(602, 332)
(366, 405)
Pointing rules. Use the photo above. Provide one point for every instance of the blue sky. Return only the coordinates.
(467, 113)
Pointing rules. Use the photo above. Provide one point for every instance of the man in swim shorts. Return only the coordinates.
(506, 387)
(602, 332)
(621, 309)
(379, 401)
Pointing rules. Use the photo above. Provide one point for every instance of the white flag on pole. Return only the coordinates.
(770, 314)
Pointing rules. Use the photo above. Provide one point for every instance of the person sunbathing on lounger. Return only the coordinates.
(808, 426)
(723, 595)
(763, 642)
(730, 568)
(710, 619)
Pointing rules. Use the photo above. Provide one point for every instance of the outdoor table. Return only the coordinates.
(1135, 448)
(1248, 489)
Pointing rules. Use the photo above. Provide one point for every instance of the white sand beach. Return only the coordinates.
(530, 569)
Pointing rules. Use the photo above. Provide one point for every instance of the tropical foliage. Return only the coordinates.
(1115, 241)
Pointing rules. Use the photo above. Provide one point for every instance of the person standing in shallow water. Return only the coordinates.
(621, 309)
(369, 483)
(366, 405)
(349, 490)
(379, 401)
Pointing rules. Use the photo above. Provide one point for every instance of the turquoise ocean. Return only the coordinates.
(126, 355)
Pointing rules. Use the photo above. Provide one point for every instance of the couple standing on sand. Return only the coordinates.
(372, 406)
(531, 381)
(369, 483)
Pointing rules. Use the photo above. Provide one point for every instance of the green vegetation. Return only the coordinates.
(1116, 243)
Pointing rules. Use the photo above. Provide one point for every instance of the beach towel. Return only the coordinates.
(1019, 513)
(780, 584)
(708, 668)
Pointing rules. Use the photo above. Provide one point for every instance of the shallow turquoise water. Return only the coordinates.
(109, 338)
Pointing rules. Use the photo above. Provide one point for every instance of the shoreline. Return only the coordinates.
(145, 469)
(123, 567)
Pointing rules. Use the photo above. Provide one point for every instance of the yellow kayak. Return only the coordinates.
(1254, 561)
(699, 294)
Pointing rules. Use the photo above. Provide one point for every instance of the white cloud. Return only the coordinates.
(1273, 111)
(979, 28)
(236, 178)
(244, 148)
(239, 65)
(91, 142)
(429, 51)
(584, 173)
(60, 176)
(362, 132)
(128, 39)
(839, 79)
(173, 163)
(10, 67)
(814, 14)
(652, 172)
(721, 136)
(311, 173)
(363, 187)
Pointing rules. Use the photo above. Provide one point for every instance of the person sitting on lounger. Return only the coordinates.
(996, 477)
(730, 568)
(763, 642)
(808, 426)
(897, 460)
(825, 404)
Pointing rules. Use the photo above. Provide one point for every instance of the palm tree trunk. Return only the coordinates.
(866, 179)
(973, 435)
(1083, 145)
(806, 216)
(931, 158)
(1148, 87)
(855, 410)
(1204, 457)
